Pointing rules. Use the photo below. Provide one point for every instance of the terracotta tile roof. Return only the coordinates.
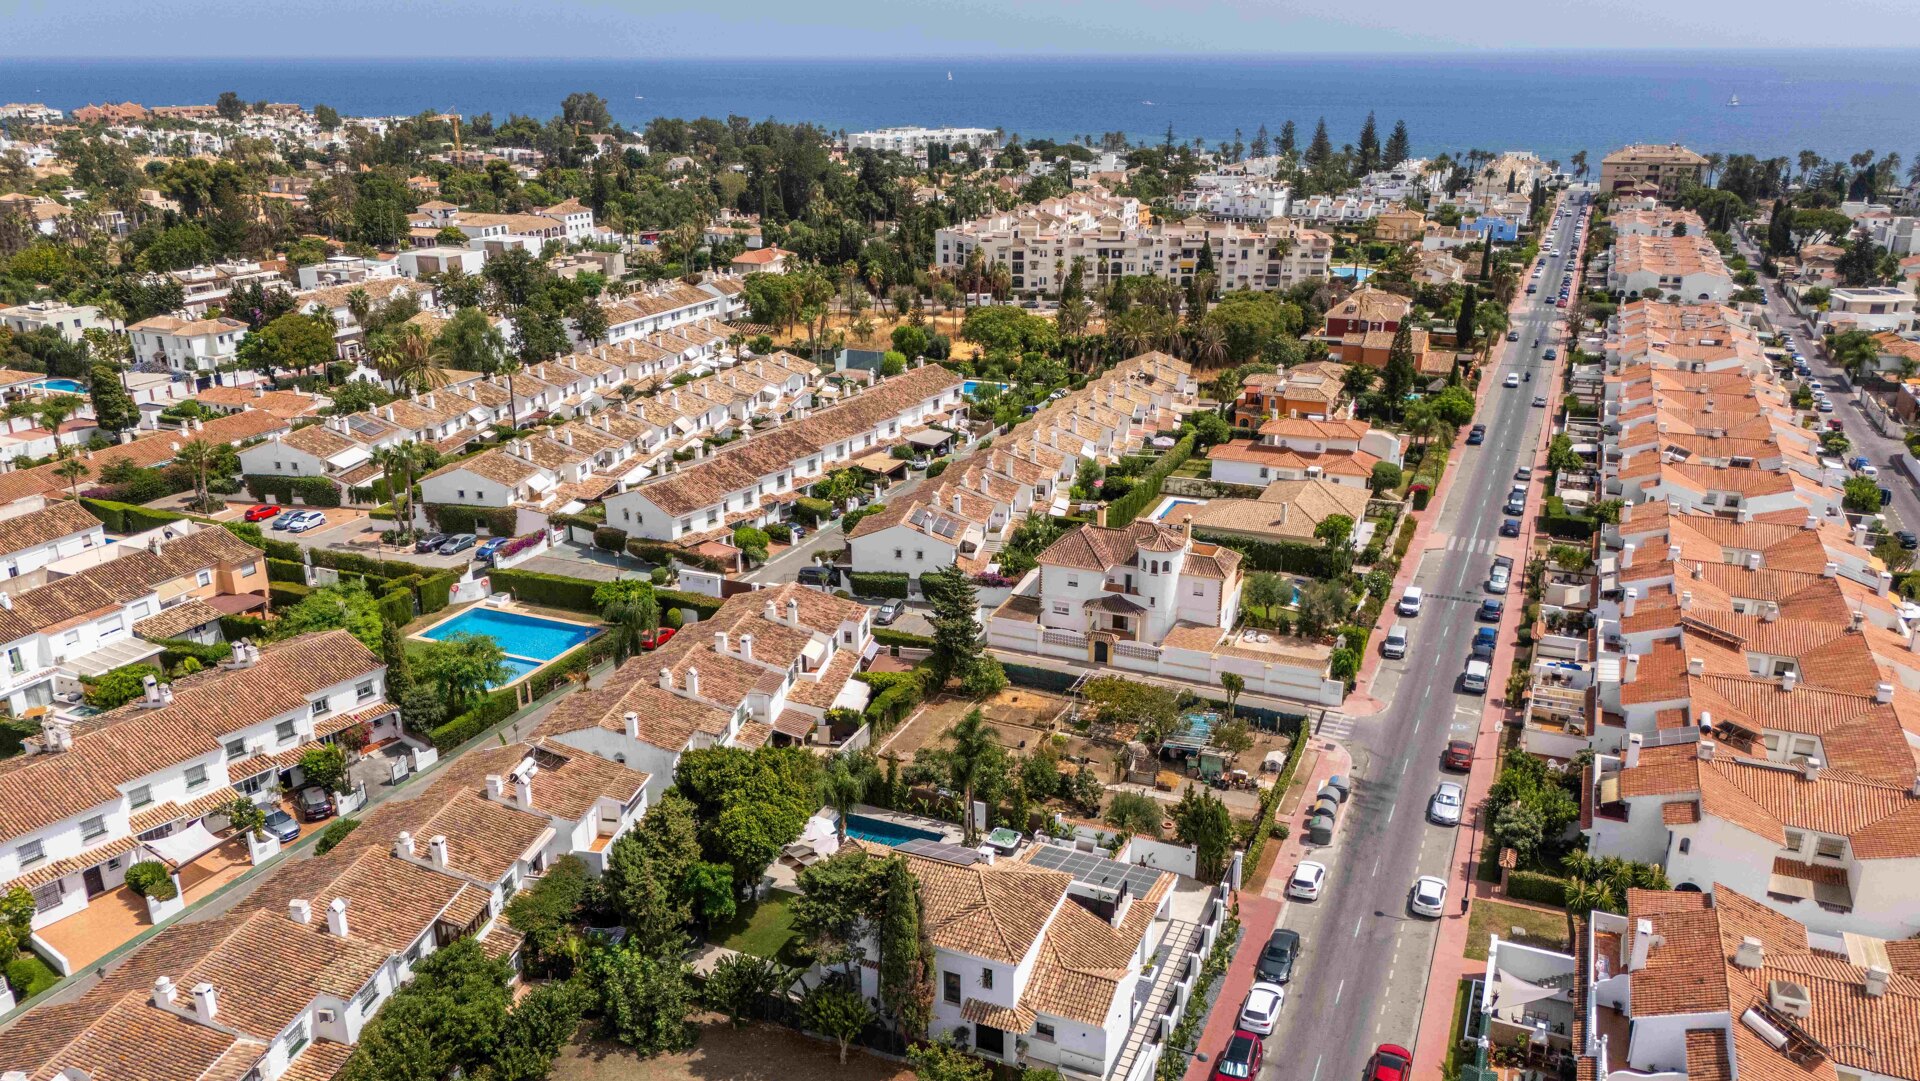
(116, 1036)
(997, 911)
(1007, 1018)
(567, 782)
(753, 735)
(120, 745)
(321, 1060)
(44, 526)
(1083, 958)
(176, 621)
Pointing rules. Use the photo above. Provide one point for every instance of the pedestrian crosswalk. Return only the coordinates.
(1335, 726)
(1467, 544)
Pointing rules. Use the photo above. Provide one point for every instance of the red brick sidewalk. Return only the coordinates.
(1258, 916)
(1329, 758)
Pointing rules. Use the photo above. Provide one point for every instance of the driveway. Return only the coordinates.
(352, 531)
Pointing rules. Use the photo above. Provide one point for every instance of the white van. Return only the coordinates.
(1394, 646)
(1475, 679)
(1409, 604)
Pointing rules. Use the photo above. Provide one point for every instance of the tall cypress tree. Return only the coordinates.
(906, 954)
(1463, 327)
(1320, 151)
(1401, 371)
(1369, 145)
(1399, 148)
(1288, 137)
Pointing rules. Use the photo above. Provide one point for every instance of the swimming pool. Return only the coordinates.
(61, 386)
(884, 832)
(970, 387)
(1169, 506)
(1351, 273)
(528, 641)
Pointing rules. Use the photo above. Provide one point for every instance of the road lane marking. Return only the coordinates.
(1393, 808)
(1316, 1066)
(1341, 990)
(1356, 926)
(1376, 866)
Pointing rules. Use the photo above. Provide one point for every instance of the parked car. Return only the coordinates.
(1262, 1009)
(889, 611)
(656, 638)
(305, 520)
(1907, 539)
(1307, 880)
(1394, 645)
(1429, 896)
(1476, 435)
(429, 543)
(1443, 809)
(1277, 956)
(1524, 473)
(262, 512)
(1539, 401)
(313, 803)
(1516, 503)
(1490, 610)
(485, 553)
(1497, 580)
(286, 519)
(818, 577)
(457, 543)
(1551, 353)
(1409, 603)
(1484, 641)
(1241, 1058)
(1510, 527)
(282, 826)
(1390, 1062)
(1474, 679)
(1458, 755)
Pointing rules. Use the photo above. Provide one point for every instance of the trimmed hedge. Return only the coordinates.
(282, 595)
(810, 511)
(130, 517)
(286, 570)
(312, 491)
(436, 593)
(175, 650)
(547, 590)
(1289, 557)
(1534, 886)
(234, 628)
(698, 602)
(661, 555)
(397, 606)
(29, 975)
(609, 538)
(457, 518)
(887, 636)
(880, 584)
(1147, 488)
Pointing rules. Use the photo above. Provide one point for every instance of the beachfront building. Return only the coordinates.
(912, 141)
(1666, 167)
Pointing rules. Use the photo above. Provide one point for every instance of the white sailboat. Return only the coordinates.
(1733, 102)
(949, 76)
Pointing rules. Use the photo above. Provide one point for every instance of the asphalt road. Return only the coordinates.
(1363, 974)
(1881, 450)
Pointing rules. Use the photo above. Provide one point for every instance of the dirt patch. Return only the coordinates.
(758, 1052)
(1019, 717)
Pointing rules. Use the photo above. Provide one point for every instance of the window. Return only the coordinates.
(91, 828)
(196, 777)
(1043, 1031)
(204, 577)
(1795, 840)
(950, 982)
(364, 691)
(140, 797)
(1073, 583)
(1832, 848)
(919, 555)
(31, 852)
(16, 662)
(249, 570)
(284, 731)
(899, 554)
(1199, 590)
(296, 1037)
(1686, 845)
(49, 896)
(986, 978)
(236, 748)
(1059, 609)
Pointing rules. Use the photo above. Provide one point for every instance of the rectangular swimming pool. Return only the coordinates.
(528, 641)
(881, 831)
(61, 386)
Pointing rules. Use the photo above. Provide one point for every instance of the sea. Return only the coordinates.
(1835, 102)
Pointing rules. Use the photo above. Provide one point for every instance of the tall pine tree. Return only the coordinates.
(1288, 139)
(1320, 151)
(1260, 142)
(1398, 147)
(1369, 146)
(1463, 327)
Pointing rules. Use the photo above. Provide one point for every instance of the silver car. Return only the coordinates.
(1444, 808)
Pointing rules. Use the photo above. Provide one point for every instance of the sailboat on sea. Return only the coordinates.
(1733, 102)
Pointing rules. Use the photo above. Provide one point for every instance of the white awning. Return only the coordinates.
(853, 695)
(127, 651)
(184, 846)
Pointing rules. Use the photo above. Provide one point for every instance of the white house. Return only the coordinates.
(1295, 448)
(191, 348)
(71, 320)
(32, 538)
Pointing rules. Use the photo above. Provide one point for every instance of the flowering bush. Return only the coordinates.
(520, 544)
(990, 580)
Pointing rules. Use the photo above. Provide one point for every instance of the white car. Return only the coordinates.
(306, 520)
(1307, 880)
(1444, 808)
(1262, 1010)
(1409, 603)
(1512, 380)
(1429, 896)
(1497, 581)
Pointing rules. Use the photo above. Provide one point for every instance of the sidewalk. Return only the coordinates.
(1258, 916)
(1449, 964)
(1328, 758)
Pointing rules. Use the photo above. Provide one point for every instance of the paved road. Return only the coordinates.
(1366, 956)
(1881, 450)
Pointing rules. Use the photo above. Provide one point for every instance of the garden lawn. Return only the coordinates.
(762, 928)
(1546, 930)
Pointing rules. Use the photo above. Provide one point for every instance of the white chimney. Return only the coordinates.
(163, 992)
(152, 687)
(437, 850)
(1626, 554)
(1631, 758)
(206, 1002)
(1630, 601)
(1860, 534)
(666, 679)
(1642, 945)
(693, 682)
(632, 722)
(720, 642)
(1673, 553)
(1812, 522)
(1788, 679)
(1631, 670)
(1770, 613)
(1829, 570)
(1885, 584)
(956, 502)
(1883, 693)
(300, 911)
(770, 612)
(337, 917)
(166, 694)
(1696, 666)
(1751, 954)
(496, 788)
(746, 647)
(1810, 769)
(6, 600)
(403, 845)
(793, 612)
(523, 789)
(1876, 981)
(1686, 599)
(1753, 561)
(1699, 571)
(1703, 750)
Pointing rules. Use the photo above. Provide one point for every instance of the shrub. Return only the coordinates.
(880, 584)
(335, 832)
(887, 636)
(548, 590)
(456, 518)
(609, 538)
(1128, 507)
(811, 511)
(150, 878)
(29, 976)
(937, 467)
(286, 594)
(312, 491)
(779, 531)
(1534, 886)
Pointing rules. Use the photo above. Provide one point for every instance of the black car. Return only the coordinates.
(819, 577)
(1477, 435)
(1510, 527)
(1907, 539)
(430, 542)
(1276, 959)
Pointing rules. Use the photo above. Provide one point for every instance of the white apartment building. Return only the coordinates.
(193, 349)
(71, 320)
(910, 140)
(1686, 268)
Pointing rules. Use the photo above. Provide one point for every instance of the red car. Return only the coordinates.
(1390, 1062)
(263, 512)
(1458, 755)
(654, 639)
(1241, 1058)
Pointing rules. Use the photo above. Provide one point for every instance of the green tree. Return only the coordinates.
(293, 342)
(451, 1016)
(633, 612)
(647, 875)
(644, 1000)
(198, 457)
(113, 408)
(1402, 369)
(956, 631)
(462, 667)
(1521, 826)
(970, 745)
(230, 107)
(1861, 495)
(836, 1011)
(119, 686)
(710, 889)
(753, 541)
(906, 952)
(1334, 531)
(325, 766)
(739, 981)
(1135, 813)
(1150, 710)
(548, 910)
(1234, 685)
(944, 1060)
(844, 783)
(1201, 820)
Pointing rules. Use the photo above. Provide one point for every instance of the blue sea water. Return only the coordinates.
(1832, 101)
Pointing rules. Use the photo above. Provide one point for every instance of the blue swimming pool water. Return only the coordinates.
(62, 386)
(523, 637)
(971, 386)
(881, 831)
(1171, 504)
(1353, 274)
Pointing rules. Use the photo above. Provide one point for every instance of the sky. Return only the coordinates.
(845, 29)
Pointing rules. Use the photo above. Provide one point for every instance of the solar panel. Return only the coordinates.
(362, 424)
(1094, 869)
(957, 855)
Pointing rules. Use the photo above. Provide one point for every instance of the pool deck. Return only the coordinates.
(948, 832)
(1166, 506)
(516, 609)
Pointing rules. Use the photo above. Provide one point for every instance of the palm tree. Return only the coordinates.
(843, 784)
(199, 456)
(632, 620)
(409, 360)
(72, 470)
(971, 745)
(359, 305)
(401, 462)
(1207, 344)
(54, 410)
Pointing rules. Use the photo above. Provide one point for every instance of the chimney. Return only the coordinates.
(523, 789)
(166, 694)
(956, 502)
(1829, 570)
(666, 679)
(1788, 679)
(1699, 571)
(1753, 561)
(6, 600)
(1686, 599)
(770, 611)
(746, 647)
(206, 1002)
(693, 682)
(1626, 554)
(300, 911)
(496, 788)
(403, 845)
(163, 992)
(1810, 769)
(1770, 613)
(1876, 981)
(1883, 693)
(1673, 553)
(1812, 522)
(337, 917)
(151, 685)
(1631, 757)
(1751, 954)
(793, 612)
(720, 642)
(1642, 945)
(1886, 583)
(1696, 666)
(1631, 671)
(437, 850)
(1703, 750)
(259, 390)
(1860, 534)
(1629, 602)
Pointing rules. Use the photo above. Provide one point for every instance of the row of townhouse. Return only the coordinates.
(1688, 267)
(751, 480)
(284, 984)
(566, 222)
(1683, 337)
(149, 449)
(1040, 243)
(1340, 452)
